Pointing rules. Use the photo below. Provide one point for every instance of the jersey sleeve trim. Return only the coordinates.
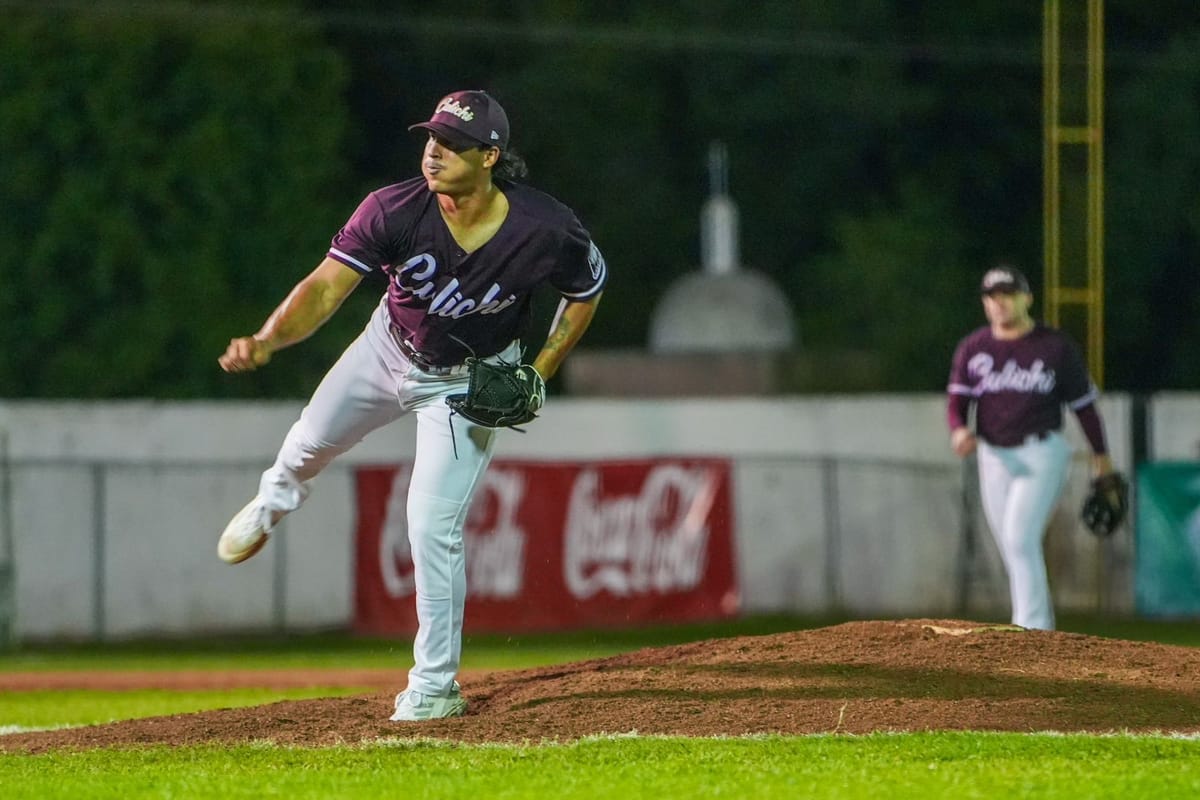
(1092, 396)
(350, 261)
(599, 273)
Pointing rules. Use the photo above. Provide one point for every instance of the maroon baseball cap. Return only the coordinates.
(1005, 279)
(470, 118)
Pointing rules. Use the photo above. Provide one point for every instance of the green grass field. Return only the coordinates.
(911, 765)
(917, 766)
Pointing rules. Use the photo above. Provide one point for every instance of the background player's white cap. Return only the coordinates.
(1004, 279)
(470, 118)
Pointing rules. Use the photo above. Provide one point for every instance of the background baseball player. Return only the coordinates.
(1019, 374)
(463, 247)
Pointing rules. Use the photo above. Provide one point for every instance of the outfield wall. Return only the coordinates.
(844, 504)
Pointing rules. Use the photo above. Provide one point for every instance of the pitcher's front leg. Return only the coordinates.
(450, 461)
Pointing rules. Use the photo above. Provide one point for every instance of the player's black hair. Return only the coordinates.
(510, 167)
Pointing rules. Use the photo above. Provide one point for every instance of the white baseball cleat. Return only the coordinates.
(413, 706)
(247, 532)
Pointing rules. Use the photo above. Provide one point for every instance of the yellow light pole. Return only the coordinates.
(1074, 274)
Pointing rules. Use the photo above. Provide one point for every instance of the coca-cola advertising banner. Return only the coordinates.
(561, 545)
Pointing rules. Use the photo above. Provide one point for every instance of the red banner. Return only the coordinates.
(562, 545)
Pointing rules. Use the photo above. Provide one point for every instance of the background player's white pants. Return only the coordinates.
(1020, 487)
(371, 385)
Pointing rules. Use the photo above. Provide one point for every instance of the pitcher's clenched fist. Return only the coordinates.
(244, 354)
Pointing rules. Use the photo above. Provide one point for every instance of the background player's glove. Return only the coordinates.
(500, 395)
(1106, 504)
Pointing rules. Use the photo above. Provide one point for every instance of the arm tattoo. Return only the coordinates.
(561, 333)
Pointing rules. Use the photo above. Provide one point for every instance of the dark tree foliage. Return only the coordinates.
(165, 184)
(1153, 241)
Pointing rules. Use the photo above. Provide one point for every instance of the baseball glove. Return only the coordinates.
(1106, 504)
(499, 395)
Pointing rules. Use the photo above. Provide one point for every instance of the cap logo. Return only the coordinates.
(997, 277)
(454, 107)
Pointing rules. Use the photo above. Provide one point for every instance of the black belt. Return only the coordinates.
(1040, 436)
(415, 358)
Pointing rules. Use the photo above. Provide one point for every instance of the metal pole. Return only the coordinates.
(1095, 190)
(8, 552)
(98, 555)
(279, 581)
(833, 536)
(1051, 241)
(967, 553)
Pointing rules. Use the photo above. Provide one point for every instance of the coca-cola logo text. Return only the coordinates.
(654, 541)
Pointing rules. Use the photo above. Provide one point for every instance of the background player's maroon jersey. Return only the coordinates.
(450, 304)
(1019, 385)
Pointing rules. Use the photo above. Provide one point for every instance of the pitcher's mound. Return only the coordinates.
(858, 677)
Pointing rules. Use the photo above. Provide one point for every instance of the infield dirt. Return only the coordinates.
(854, 678)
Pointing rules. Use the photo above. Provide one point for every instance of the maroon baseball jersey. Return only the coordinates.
(1019, 385)
(451, 304)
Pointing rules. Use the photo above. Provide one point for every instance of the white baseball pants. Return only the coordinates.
(1020, 487)
(371, 385)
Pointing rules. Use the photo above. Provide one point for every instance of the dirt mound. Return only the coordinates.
(859, 677)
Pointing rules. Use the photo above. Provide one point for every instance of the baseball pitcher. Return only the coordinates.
(463, 247)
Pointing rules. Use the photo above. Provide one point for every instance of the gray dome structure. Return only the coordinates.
(732, 312)
(722, 308)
